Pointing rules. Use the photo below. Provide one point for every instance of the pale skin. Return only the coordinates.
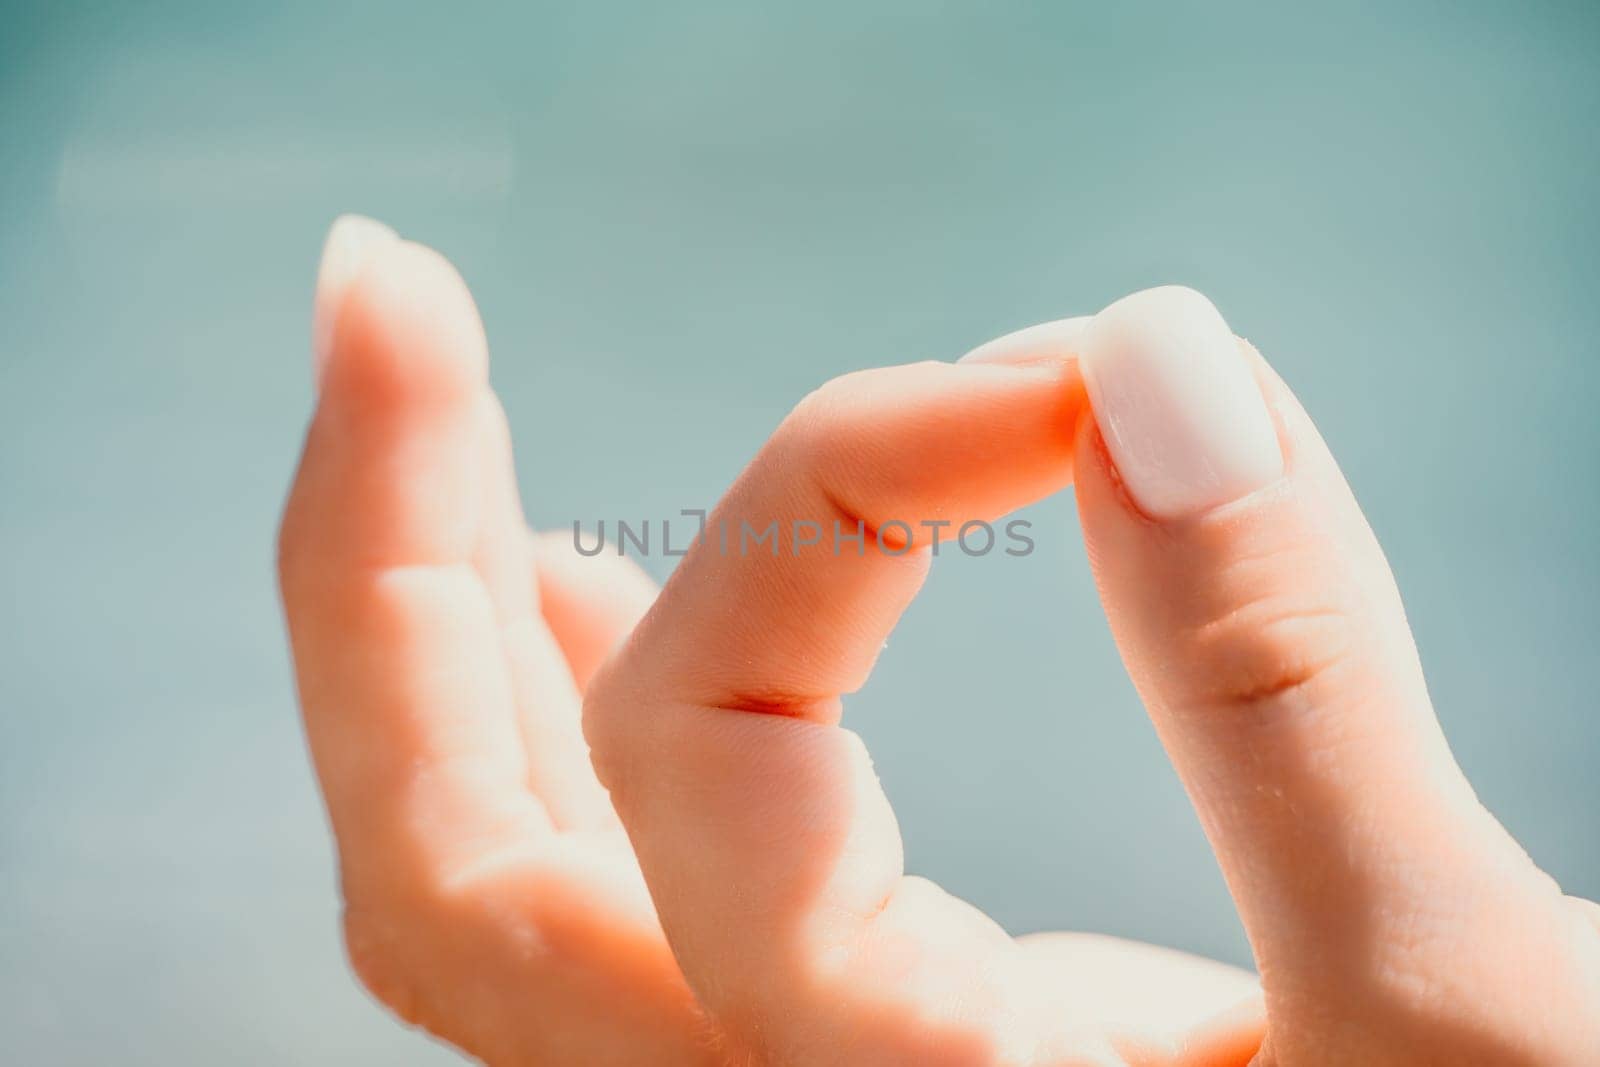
(581, 822)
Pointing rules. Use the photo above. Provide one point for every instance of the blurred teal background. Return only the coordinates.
(678, 220)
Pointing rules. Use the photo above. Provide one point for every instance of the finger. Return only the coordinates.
(544, 690)
(433, 695)
(394, 567)
(1048, 342)
(1263, 630)
(408, 707)
(767, 843)
(590, 603)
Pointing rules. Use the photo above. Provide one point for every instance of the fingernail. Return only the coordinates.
(1047, 340)
(350, 243)
(1178, 406)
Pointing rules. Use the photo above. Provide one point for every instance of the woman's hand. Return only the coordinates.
(490, 897)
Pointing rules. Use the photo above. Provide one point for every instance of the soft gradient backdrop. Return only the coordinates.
(677, 221)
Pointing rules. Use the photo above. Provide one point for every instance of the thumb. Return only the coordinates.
(1261, 626)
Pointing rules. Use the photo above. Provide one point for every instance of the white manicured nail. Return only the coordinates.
(350, 243)
(1178, 406)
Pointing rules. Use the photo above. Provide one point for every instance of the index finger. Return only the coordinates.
(769, 847)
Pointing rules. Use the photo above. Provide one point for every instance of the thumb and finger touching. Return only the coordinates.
(441, 652)
(768, 846)
(1259, 621)
(770, 850)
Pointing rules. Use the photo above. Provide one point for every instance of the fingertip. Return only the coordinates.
(1043, 342)
(406, 329)
(391, 471)
(1178, 407)
(350, 242)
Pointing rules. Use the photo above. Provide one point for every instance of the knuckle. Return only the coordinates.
(1273, 648)
(841, 429)
(818, 419)
(836, 414)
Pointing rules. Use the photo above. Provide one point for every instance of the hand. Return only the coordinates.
(490, 897)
